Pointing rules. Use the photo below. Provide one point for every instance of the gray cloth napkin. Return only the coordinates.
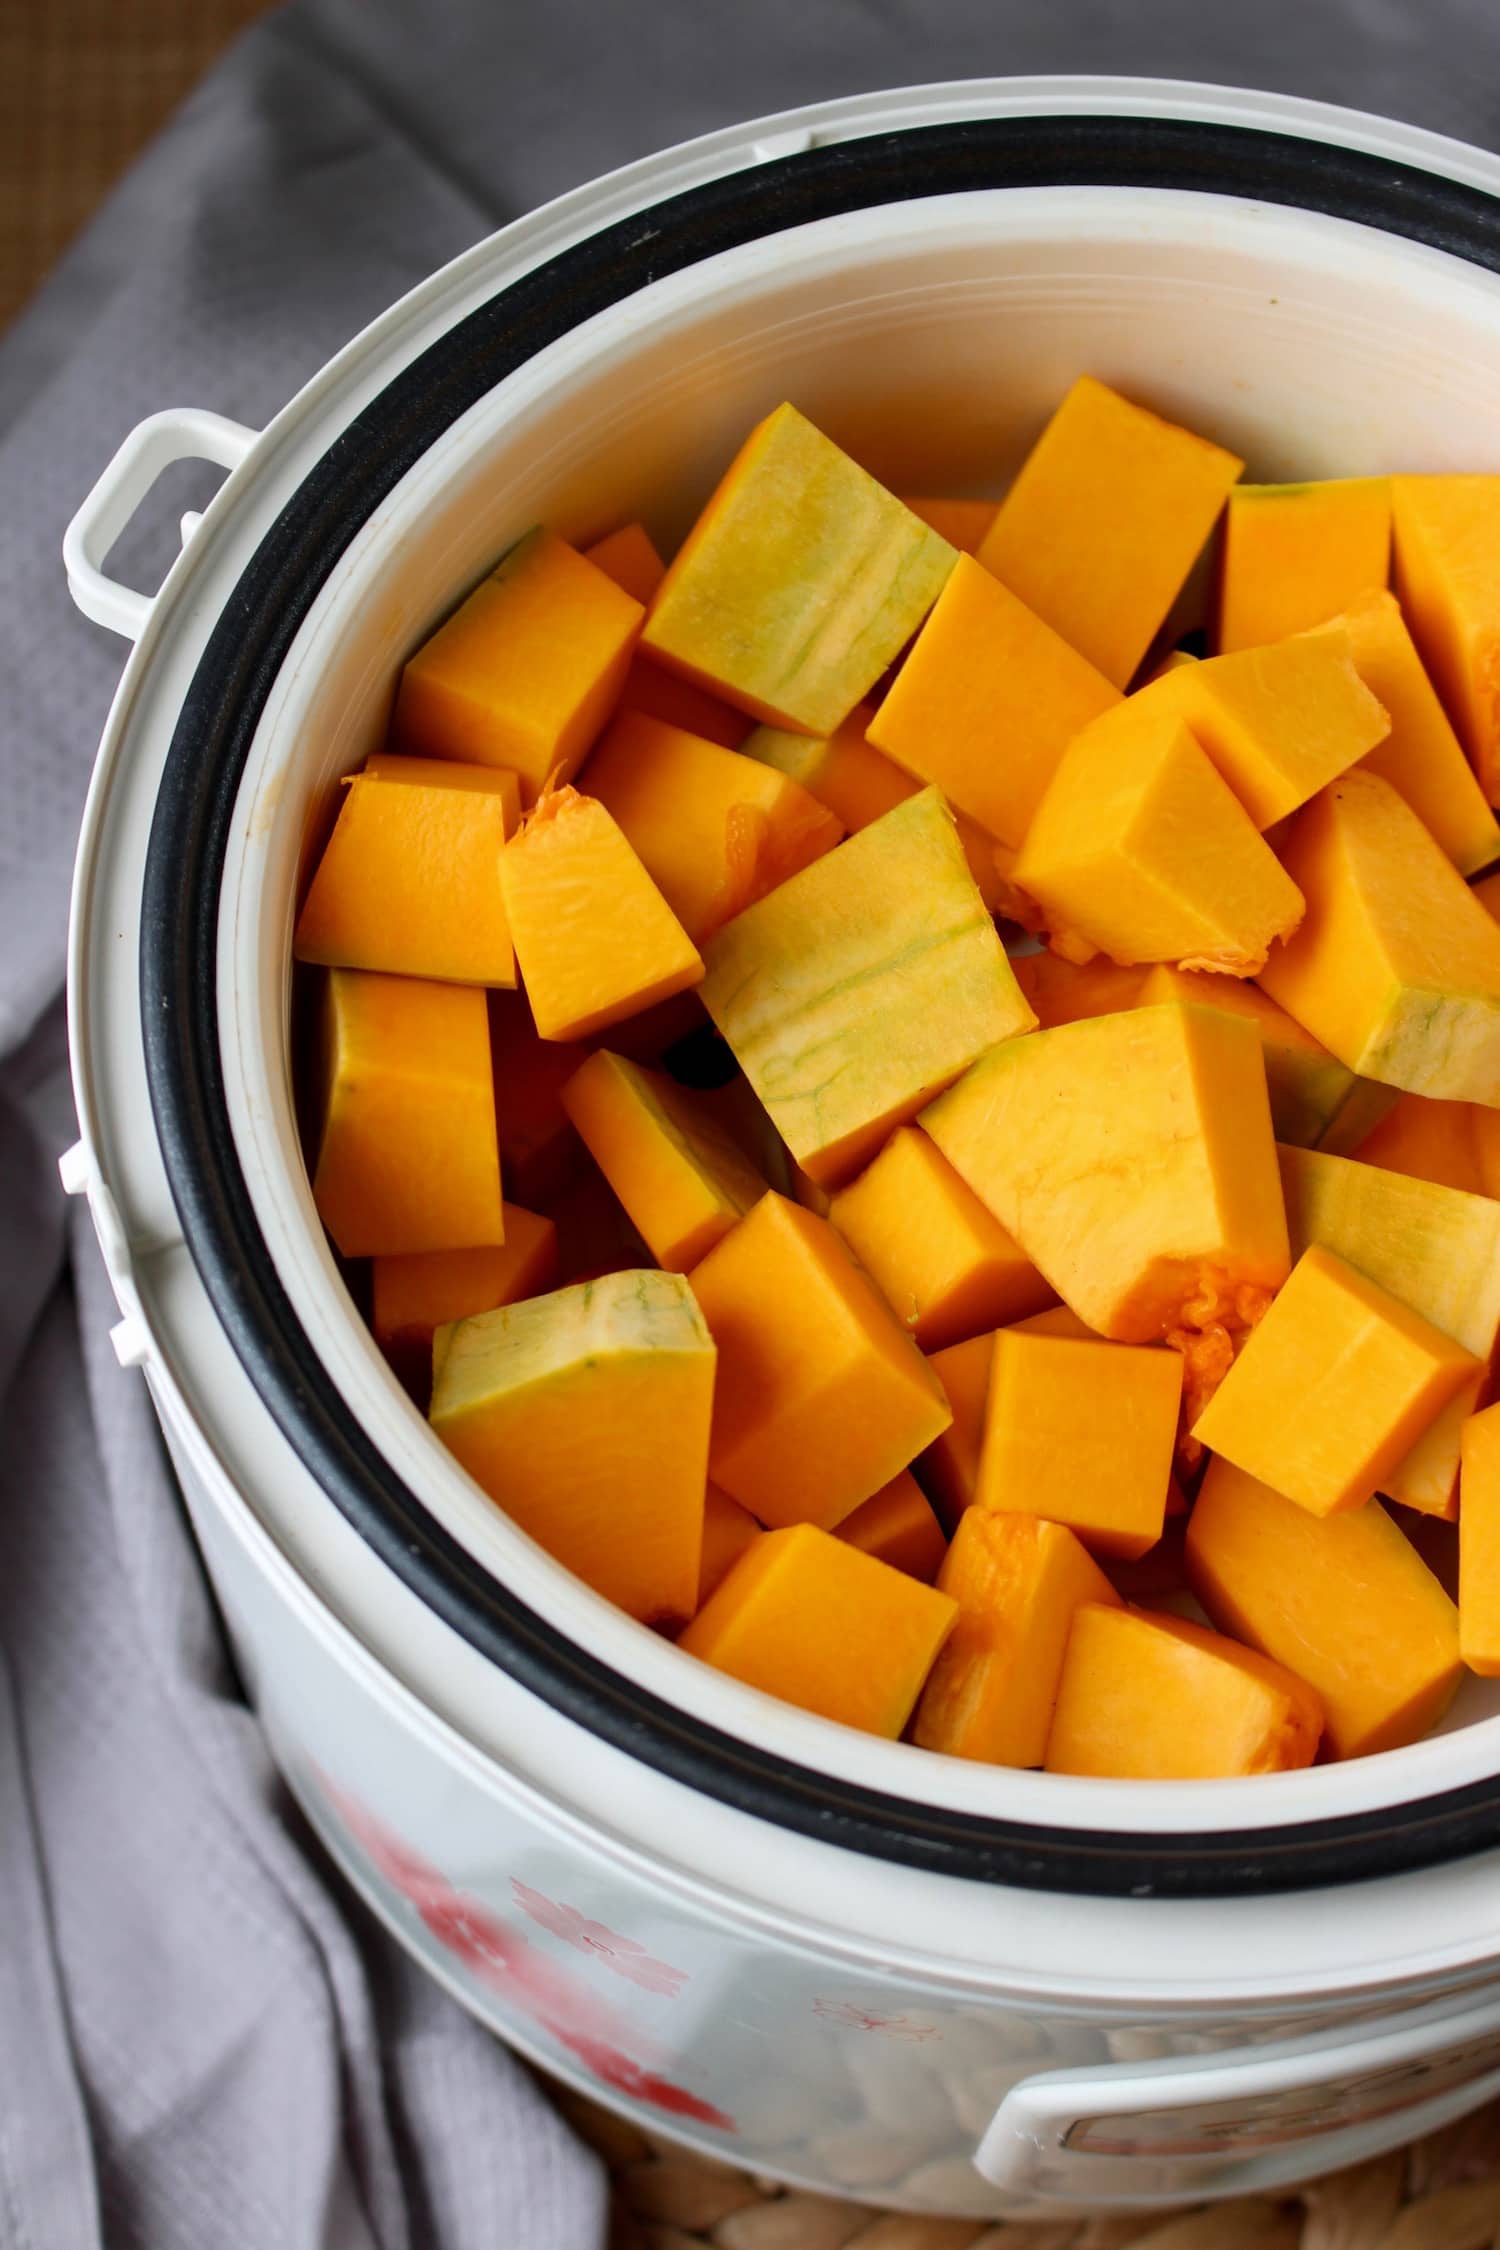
(203, 2044)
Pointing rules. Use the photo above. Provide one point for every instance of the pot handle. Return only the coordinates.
(1239, 2121)
(181, 433)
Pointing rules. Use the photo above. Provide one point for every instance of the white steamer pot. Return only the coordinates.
(833, 1959)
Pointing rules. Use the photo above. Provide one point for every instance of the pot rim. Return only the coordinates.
(185, 859)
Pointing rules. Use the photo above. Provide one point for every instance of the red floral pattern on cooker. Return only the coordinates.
(585, 2026)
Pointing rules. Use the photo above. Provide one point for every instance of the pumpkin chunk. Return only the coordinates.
(963, 523)
(1105, 521)
(986, 703)
(595, 938)
(585, 1415)
(949, 1469)
(682, 1179)
(714, 830)
(1307, 1086)
(1019, 1583)
(1421, 757)
(1297, 554)
(799, 582)
(1385, 1666)
(407, 882)
(1132, 1209)
(1277, 723)
(1435, 1247)
(1081, 1433)
(1479, 1545)
(629, 557)
(1141, 849)
(526, 671)
(946, 1267)
(897, 1525)
(858, 783)
(1396, 967)
(413, 1296)
(1333, 1388)
(1154, 1698)
(862, 986)
(408, 1156)
(1448, 578)
(843, 770)
(728, 1529)
(811, 1619)
(822, 1397)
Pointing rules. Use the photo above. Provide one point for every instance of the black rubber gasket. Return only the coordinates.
(193, 818)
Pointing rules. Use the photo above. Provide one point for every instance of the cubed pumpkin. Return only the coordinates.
(585, 1415)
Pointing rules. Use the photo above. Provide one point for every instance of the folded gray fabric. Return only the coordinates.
(202, 2042)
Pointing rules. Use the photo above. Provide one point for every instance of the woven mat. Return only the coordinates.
(1441, 2194)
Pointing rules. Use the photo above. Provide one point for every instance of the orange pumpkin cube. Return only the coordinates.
(1479, 1545)
(1421, 757)
(949, 1469)
(946, 1267)
(681, 1177)
(413, 1296)
(857, 783)
(811, 1619)
(629, 557)
(408, 1154)
(1297, 554)
(897, 1526)
(1447, 532)
(860, 987)
(986, 702)
(1437, 1249)
(1104, 522)
(1332, 1388)
(1386, 1666)
(585, 1416)
(1081, 1433)
(713, 829)
(822, 1397)
(1019, 1583)
(595, 938)
(798, 583)
(963, 523)
(1308, 1088)
(728, 1529)
(1394, 944)
(526, 671)
(407, 882)
(1154, 1698)
(1278, 723)
(1142, 850)
(1131, 1208)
